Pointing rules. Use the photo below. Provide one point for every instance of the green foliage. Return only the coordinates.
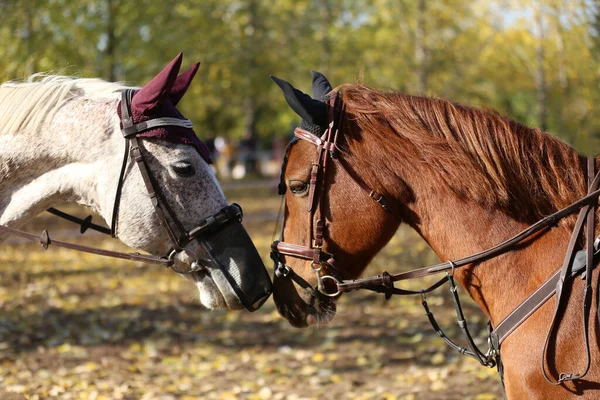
(475, 52)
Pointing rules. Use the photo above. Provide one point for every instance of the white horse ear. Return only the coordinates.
(182, 83)
(155, 91)
(320, 85)
(311, 110)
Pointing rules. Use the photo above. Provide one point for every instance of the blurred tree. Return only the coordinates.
(537, 61)
(420, 47)
(540, 73)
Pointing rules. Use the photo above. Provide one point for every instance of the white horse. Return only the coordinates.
(61, 141)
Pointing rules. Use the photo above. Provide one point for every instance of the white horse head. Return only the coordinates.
(61, 140)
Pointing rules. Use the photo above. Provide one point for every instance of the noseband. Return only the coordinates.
(327, 147)
(179, 237)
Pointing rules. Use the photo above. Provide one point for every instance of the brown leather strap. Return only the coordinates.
(380, 199)
(228, 214)
(584, 215)
(177, 234)
(321, 144)
(316, 197)
(46, 241)
(314, 173)
(126, 122)
(526, 308)
(295, 250)
(232, 212)
(477, 257)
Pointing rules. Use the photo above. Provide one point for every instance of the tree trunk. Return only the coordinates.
(31, 66)
(540, 76)
(325, 11)
(110, 73)
(420, 48)
(249, 140)
(560, 46)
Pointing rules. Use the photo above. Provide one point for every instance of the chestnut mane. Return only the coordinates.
(478, 154)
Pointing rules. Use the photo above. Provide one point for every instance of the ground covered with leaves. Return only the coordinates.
(78, 326)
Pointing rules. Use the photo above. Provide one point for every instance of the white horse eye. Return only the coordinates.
(183, 169)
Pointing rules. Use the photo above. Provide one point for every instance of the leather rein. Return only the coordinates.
(574, 262)
(178, 235)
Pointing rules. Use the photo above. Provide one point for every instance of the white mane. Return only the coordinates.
(25, 105)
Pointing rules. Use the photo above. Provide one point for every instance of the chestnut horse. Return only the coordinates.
(465, 179)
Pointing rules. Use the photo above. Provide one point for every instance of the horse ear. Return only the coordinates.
(311, 110)
(320, 85)
(155, 91)
(182, 83)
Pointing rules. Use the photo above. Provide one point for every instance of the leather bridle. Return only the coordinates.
(179, 237)
(326, 149)
(574, 263)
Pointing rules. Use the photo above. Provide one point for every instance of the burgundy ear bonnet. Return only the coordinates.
(158, 98)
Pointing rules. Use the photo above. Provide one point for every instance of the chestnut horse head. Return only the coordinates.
(465, 179)
(361, 227)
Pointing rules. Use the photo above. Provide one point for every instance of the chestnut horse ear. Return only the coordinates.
(182, 83)
(320, 85)
(311, 110)
(154, 92)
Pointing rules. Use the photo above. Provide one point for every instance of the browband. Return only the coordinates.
(153, 123)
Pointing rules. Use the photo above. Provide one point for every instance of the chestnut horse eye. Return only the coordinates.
(298, 187)
(183, 169)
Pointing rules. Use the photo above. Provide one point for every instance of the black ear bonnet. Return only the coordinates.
(312, 110)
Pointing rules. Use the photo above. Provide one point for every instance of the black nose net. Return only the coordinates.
(236, 259)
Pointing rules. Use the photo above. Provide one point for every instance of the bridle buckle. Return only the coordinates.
(316, 266)
(282, 270)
